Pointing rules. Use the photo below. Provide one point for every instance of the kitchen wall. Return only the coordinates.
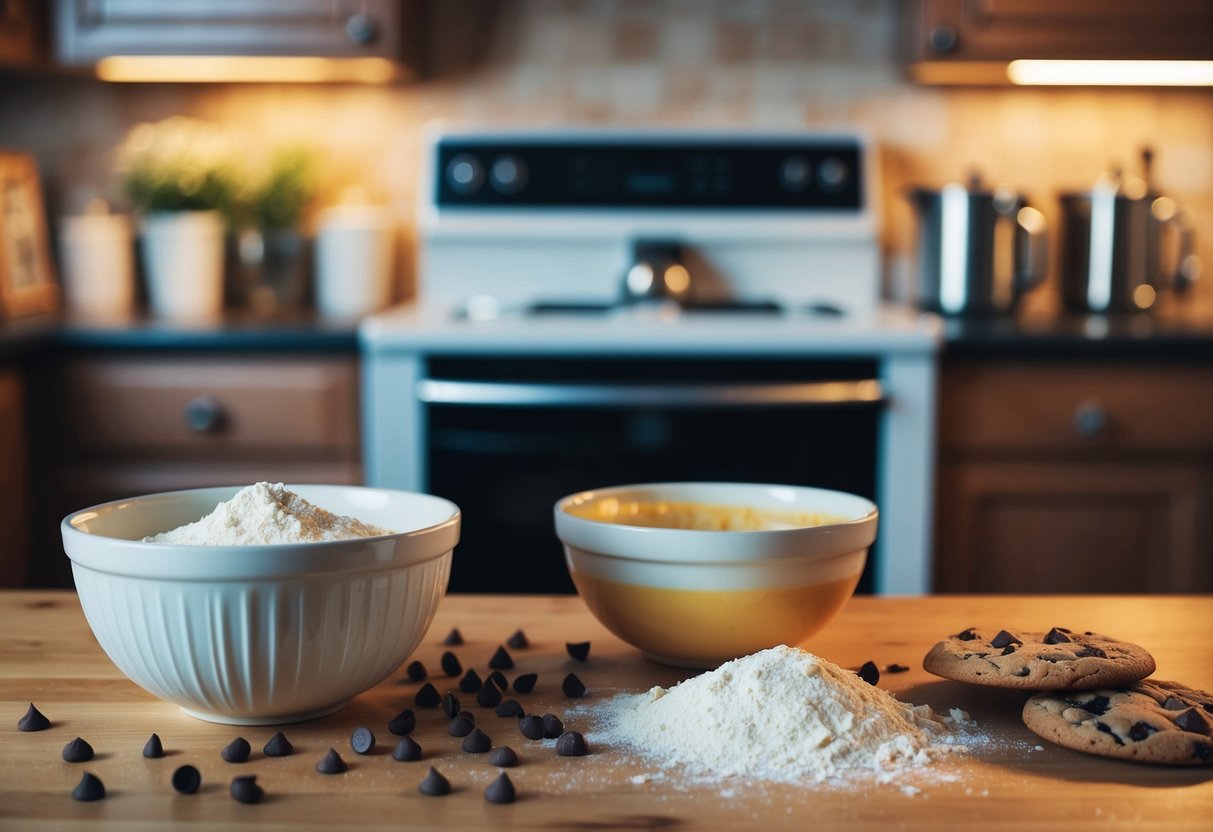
(748, 63)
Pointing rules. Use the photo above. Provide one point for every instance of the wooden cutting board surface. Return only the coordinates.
(48, 655)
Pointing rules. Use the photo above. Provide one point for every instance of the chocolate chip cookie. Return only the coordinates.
(1149, 722)
(1060, 659)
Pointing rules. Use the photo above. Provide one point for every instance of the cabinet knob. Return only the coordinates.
(943, 38)
(361, 28)
(1090, 420)
(204, 414)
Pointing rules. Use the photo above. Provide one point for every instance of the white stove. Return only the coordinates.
(647, 289)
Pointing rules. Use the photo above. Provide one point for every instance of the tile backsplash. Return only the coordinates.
(736, 63)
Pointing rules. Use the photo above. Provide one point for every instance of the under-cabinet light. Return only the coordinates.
(1112, 73)
(245, 69)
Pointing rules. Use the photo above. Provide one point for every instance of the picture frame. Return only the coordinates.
(27, 276)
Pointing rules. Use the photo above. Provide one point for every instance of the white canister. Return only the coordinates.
(354, 245)
(96, 253)
(183, 259)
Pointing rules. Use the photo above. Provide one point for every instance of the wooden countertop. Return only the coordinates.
(48, 655)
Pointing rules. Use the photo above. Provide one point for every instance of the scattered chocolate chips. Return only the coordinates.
(77, 751)
(1193, 721)
(500, 790)
(579, 650)
(1057, 636)
(552, 726)
(470, 683)
(966, 635)
(331, 763)
(186, 780)
(526, 682)
(33, 720)
(501, 660)
(403, 723)
(1004, 638)
(1009, 649)
(278, 746)
(1103, 726)
(895, 668)
(572, 687)
(504, 757)
(416, 671)
(453, 639)
(461, 725)
(236, 751)
(488, 696)
(245, 789)
(531, 727)
(477, 742)
(510, 707)
(1174, 703)
(153, 749)
(869, 673)
(450, 664)
(450, 704)
(498, 678)
(1024, 671)
(571, 744)
(1140, 731)
(518, 641)
(407, 751)
(1088, 651)
(362, 741)
(427, 697)
(88, 789)
(434, 784)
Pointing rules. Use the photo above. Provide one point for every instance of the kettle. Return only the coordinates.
(1116, 238)
(979, 250)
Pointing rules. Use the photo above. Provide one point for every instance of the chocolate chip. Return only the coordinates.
(526, 682)
(434, 784)
(470, 683)
(1208, 706)
(1008, 650)
(1140, 731)
(500, 790)
(278, 746)
(869, 673)
(153, 749)
(531, 727)
(33, 720)
(1103, 727)
(186, 780)
(896, 668)
(403, 723)
(427, 697)
(488, 696)
(460, 726)
(1193, 721)
(77, 751)
(518, 641)
(331, 763)
(245, 789)
(501, 660)
(504, 757)
(450, 664)
(88, 789)
(407, 751)
(1004, 638)
(453, 639)
(1200, 751)
(1057, 636)
(1087, 650)
(498, 678)
(416, 671)
(578, 650)
(362, 741)
(1174, 703)
(966, 635)
(1097, 705)
(572, 687)
(236, 751)
(571, 744)
(1024, 671)
(477, 742)
(450, 704)
(510, 707)
(552, 726)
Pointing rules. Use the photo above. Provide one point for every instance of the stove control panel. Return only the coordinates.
(659, 172)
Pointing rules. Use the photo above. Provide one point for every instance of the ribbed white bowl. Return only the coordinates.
(252, 635)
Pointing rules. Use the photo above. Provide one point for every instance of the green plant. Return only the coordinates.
(179, 164)
(279, 199)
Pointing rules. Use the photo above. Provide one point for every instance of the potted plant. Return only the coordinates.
(180, 176)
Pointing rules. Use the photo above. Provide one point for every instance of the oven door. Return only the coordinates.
(505, 439)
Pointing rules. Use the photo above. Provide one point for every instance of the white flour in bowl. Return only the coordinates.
(263, 514)
(782, 714)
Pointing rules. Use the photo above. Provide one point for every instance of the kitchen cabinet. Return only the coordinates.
(14, 501)
(22, 33)
(1074, 476)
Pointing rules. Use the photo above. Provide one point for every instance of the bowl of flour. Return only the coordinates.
(266, 604)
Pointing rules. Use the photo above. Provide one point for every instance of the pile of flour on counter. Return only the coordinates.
(264, 514)
(782, 714)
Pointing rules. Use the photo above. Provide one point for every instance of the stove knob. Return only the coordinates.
(794, 174)
(508, 175)
(464, 174)
(832, 175)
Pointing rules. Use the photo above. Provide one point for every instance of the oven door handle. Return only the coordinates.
(776, 394)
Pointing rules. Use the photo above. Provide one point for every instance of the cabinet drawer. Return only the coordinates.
(190, 407)
(1076, 406)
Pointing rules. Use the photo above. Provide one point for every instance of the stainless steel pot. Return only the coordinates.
(979, 251)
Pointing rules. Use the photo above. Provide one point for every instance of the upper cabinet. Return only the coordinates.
(22, 33)
(974, 41)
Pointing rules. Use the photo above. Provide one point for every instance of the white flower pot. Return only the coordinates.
(183, 260)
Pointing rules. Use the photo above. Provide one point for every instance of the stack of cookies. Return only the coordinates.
(1094, 695)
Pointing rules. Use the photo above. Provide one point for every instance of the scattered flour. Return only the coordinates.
(783, 715)
(266, 513)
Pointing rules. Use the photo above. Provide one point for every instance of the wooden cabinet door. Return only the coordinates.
(14, 504)
(1058, 526)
